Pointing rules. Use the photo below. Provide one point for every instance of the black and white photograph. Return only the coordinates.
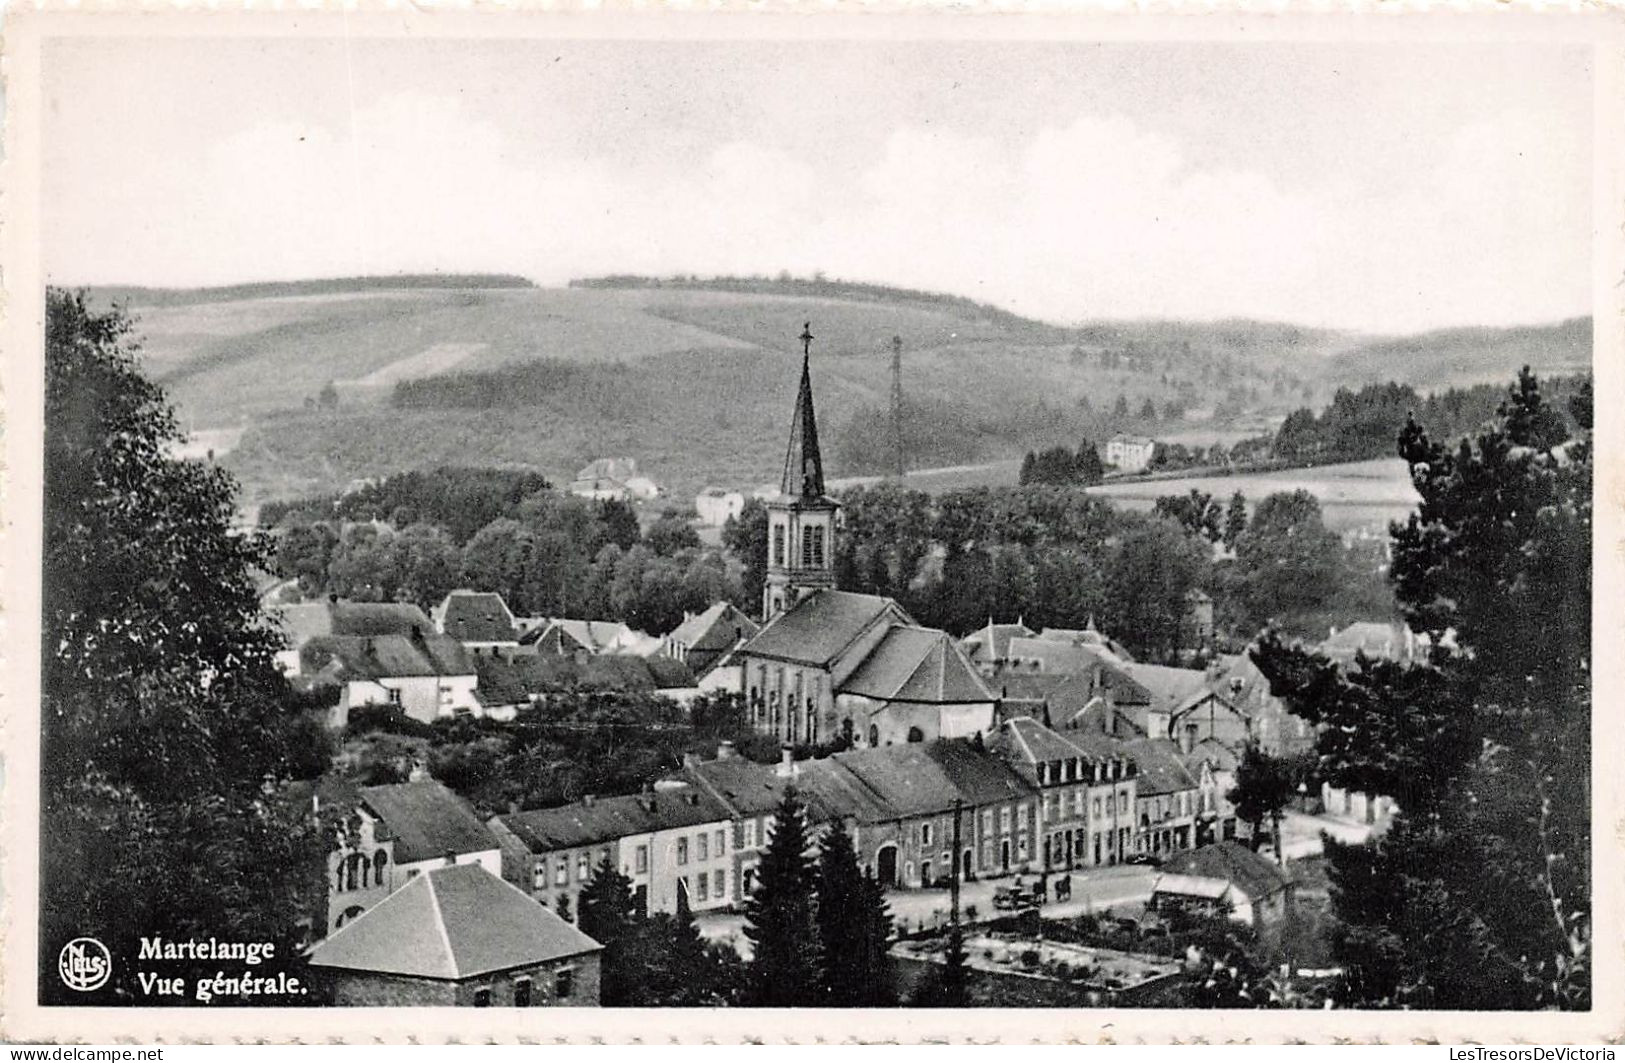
(934, 514)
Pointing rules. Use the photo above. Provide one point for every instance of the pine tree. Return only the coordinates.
(947, 987)
(784, 968)
(854, 928)
(1235, 520)
(1479, 894)
(609, 916)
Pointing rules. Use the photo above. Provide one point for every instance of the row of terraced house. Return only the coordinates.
(1027, 799)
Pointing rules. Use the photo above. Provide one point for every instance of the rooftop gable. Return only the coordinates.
(821, 625)
(427, 821)
(452, 923)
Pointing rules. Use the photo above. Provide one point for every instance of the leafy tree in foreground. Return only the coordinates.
(167, 729)
(784, 969)
(854, 928)
(1479, 895)
(1264, 785)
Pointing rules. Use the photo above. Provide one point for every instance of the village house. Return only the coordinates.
(1168, 801)
(1130, 453)
(481, 621)
(716, 506)
(673, 842)
(988, 648)
(1087, 784)
(703, 639)
(423, 673)
(459, 936)
(388, 834)
(751, 793)
(613, 479)
(1225, 878)
(564, 637)
(303, 621)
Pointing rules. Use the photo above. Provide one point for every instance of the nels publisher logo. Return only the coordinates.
(84, 964)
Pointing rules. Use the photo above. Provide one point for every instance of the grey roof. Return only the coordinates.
(427, 820)
(473, 616)
(600, 819)
(715, 628)
(376, 618)
(452, 923)
(386, 656)
(1258, 876)
(992, 643)
(751, 789)
(915, 664)
(818, 627)
(1168, 687)
(1161, 769)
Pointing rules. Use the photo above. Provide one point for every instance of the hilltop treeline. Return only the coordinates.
(818, 287)
(459, 500)
(1363, 424)
(523, 384)
(319, 286)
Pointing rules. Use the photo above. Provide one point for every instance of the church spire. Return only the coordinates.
(803, 463)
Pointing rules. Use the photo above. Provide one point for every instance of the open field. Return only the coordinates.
(1352, 495)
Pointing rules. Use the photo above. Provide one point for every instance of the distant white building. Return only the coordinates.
(716, 506)
(614, 479)
(1130, 453)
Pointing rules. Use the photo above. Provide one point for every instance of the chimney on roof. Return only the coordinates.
(725, 749)
(418, 772)
(787, 762)
(588, 799)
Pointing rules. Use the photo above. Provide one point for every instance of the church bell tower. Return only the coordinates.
(801, 518)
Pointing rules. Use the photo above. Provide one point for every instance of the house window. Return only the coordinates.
(1122, 802)
(719, 884)
(925, 834)
(583, 867)
(539, 878)
(561, 871)
(749, 833)
(1097, 806)
(482, 998)
(778, 544)
(521, 993)
(987, 821)
(1021, 816)
(722, 842)
(641, 860)
(564, 983)
(703, 845)
(1004, 820)
(394, 695)
(1021, 847)
(705, 887)
(682, 850)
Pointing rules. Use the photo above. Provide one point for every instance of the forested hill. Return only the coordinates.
(302, 387)
(1467, 356)
(139, 296)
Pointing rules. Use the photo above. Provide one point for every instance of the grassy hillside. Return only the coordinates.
(694, 379)
(1459, 357)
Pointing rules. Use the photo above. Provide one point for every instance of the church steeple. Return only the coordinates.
(801, 519)
(803, 463)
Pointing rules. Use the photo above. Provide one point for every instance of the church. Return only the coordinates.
(829, 662)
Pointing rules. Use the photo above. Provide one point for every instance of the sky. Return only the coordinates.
(1380, 187)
